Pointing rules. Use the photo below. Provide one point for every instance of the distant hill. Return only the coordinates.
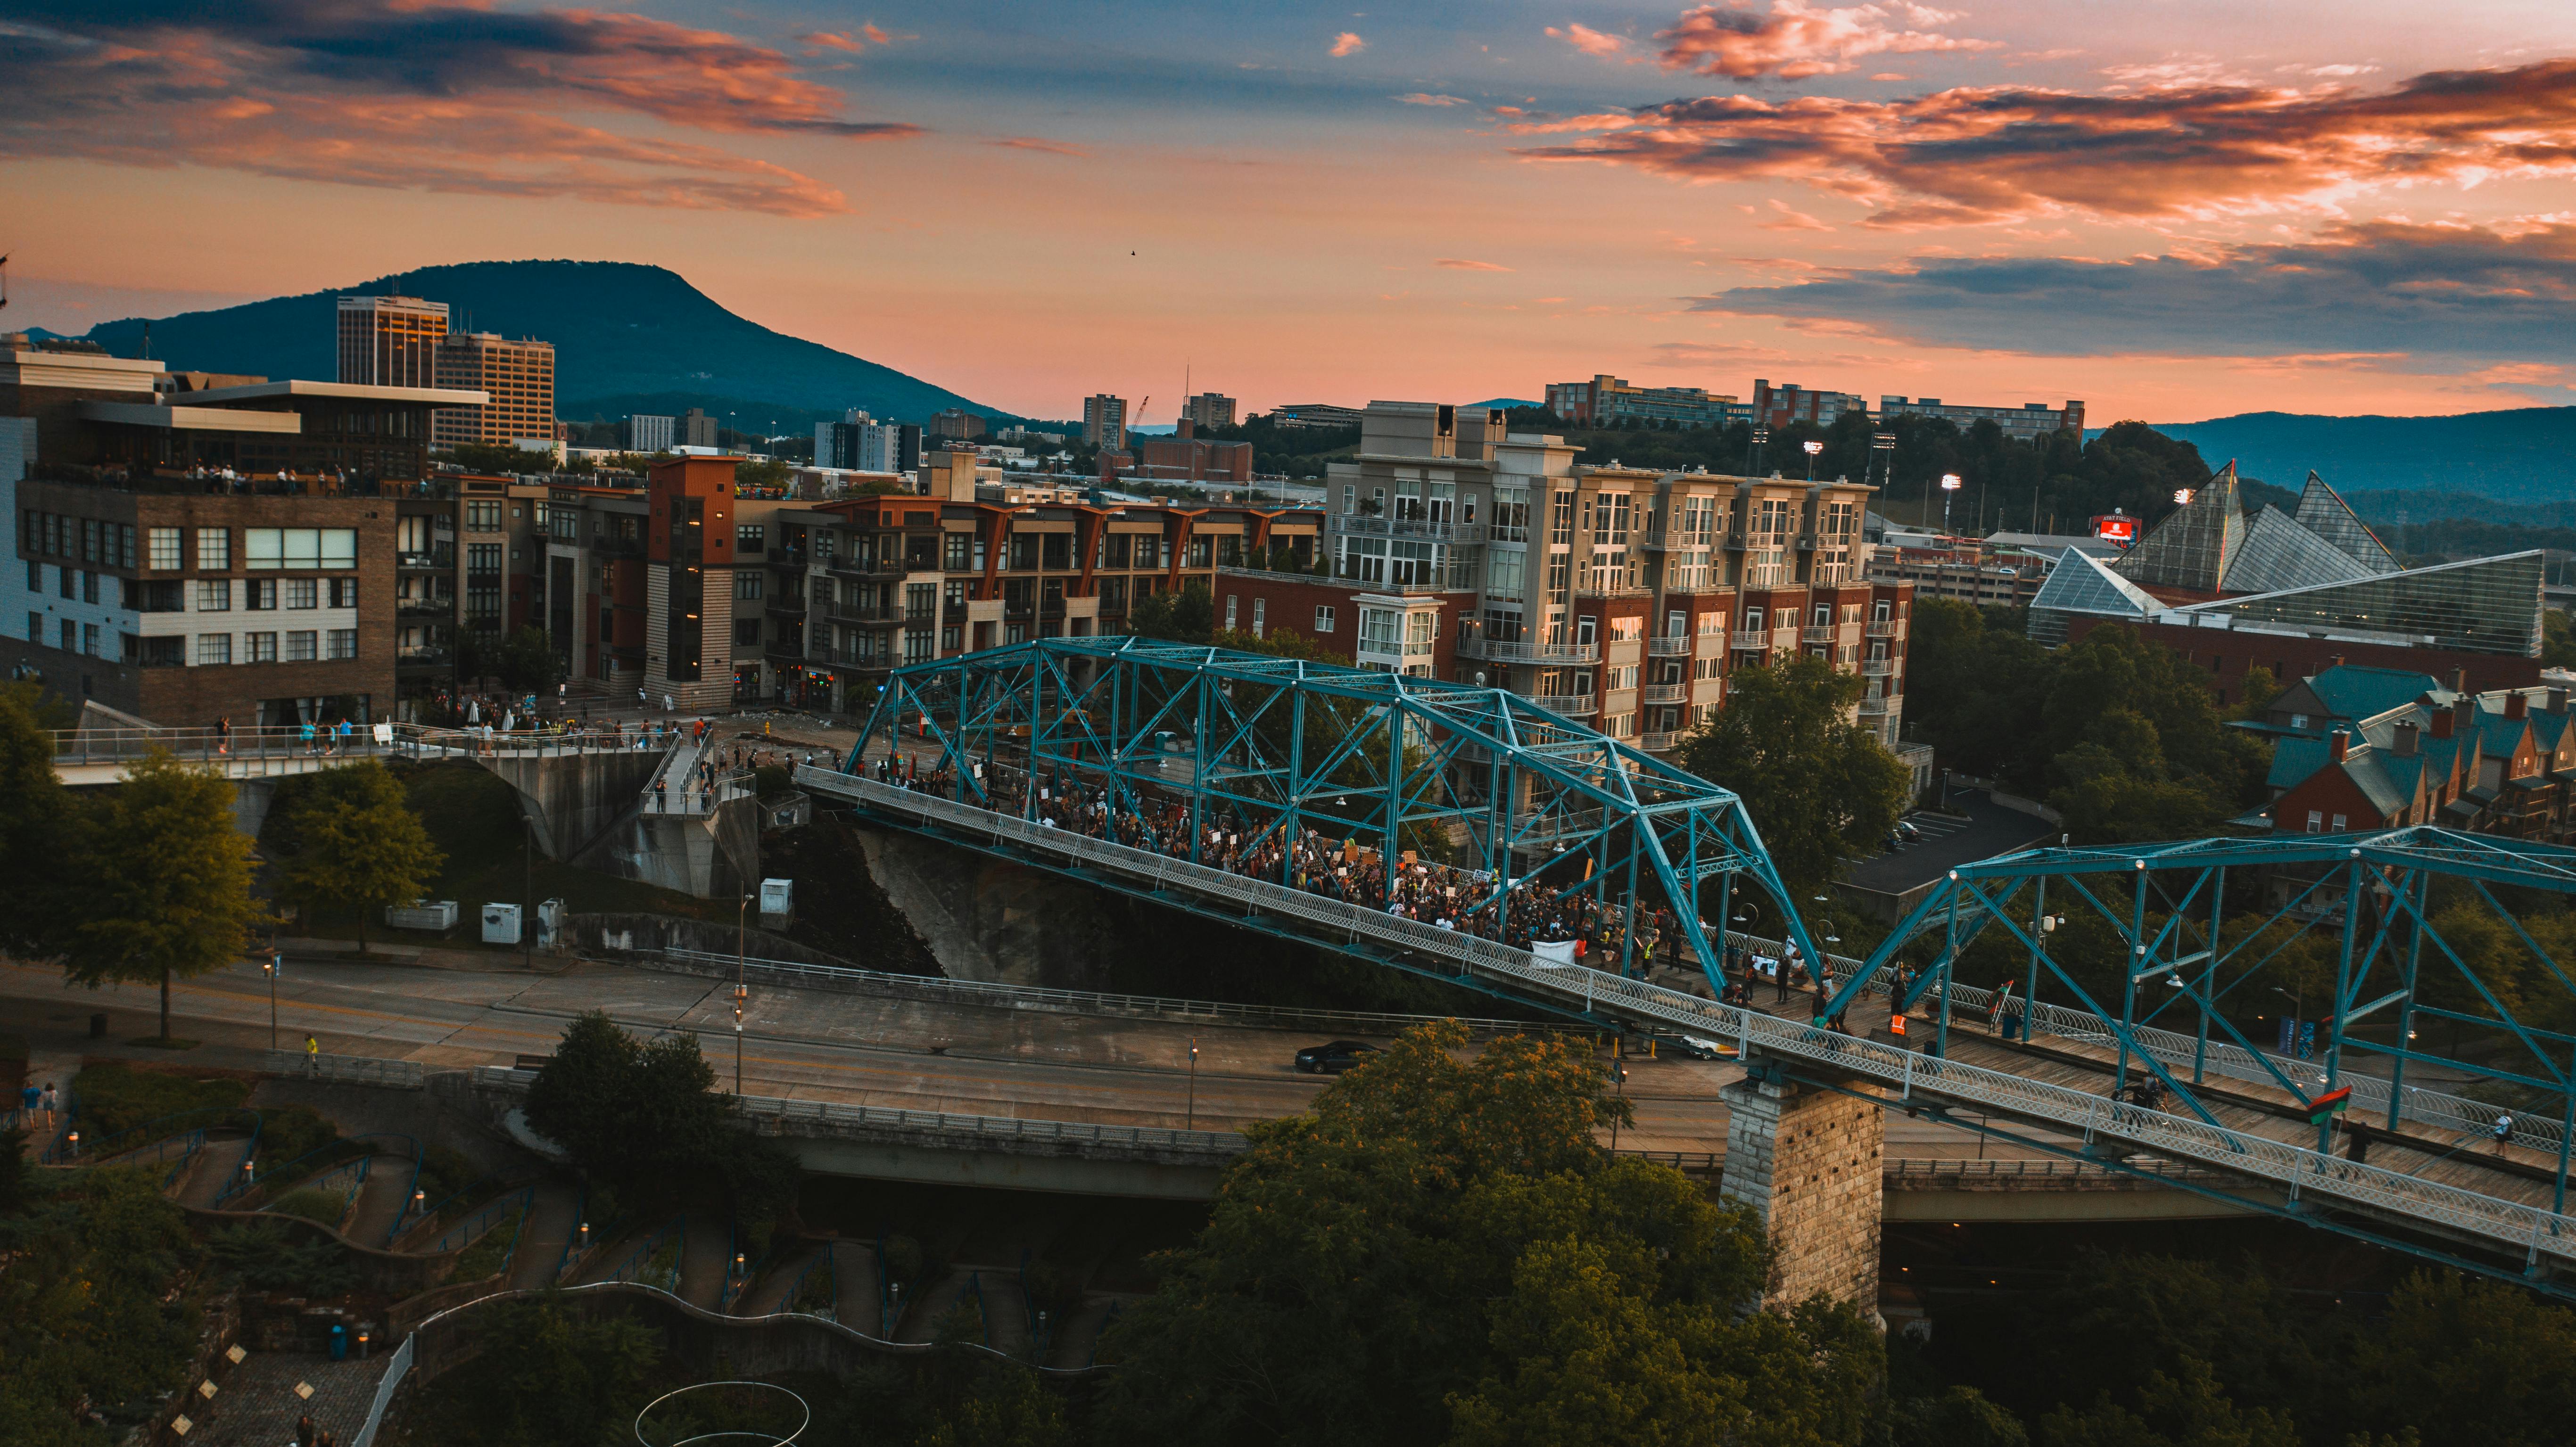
(621, 332)
(2523, 457)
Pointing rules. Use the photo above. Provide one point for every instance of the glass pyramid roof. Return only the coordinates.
(2484, 605)
(2278, 553)
(2082, 583)
(2323, 512)
(2193, 546)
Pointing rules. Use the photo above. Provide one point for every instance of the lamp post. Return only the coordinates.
(1753, 455)
(1883, 447)
(741, 985)
(1813, 447)
(1190, 1120)
(1949, 485)
(276, 961)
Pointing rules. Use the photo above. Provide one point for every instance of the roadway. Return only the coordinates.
(464, 1008)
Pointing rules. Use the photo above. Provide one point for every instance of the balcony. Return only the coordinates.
(1679, 647)
(1614, 590)
(863, 616)
(1407, 528)
(425, 608)
(1874, 707)
(882, 568)
(1538, 652)
(793, 558)
(440, 560)
(1665, 693)
(1817, 635)
(1887, 629)
(1753, 638)
(1573, 705)
(1878, 667)
(424, 658)
(1658, 743)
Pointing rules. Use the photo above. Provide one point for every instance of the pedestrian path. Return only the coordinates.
(543, 1234)
(381, 1201)
(702, 1261)
(257, 1404)
(862, 1296)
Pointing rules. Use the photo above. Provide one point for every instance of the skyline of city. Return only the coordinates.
(1999, 205)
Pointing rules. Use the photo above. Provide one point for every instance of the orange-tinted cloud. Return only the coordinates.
(1034, 143)
(437, 96)
(1589, 40)
(818, 41)
(1795, 41)
(1460, 264)
(1348, 43)
(1993, 153)
(1426, 98)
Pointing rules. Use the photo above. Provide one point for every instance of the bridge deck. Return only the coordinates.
(2461, 1197)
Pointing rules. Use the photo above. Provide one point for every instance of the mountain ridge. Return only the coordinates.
(2518, 457)
(620, 329)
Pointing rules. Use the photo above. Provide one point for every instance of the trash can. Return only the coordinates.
(339, 1341)
(98, 1027)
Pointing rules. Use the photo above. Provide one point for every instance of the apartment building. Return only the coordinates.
(1209, 409)
(2026, 423)
(2359, 748)
(1618, 596)
(518, 378)
(860, 443)
(1787, 402)
(1104, 421)
(390, 341)
(1606, 401)
(649, 434)
(956, 422)
(1186, 457)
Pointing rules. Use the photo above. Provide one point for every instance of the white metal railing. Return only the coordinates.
(1877, 667)
(1542, 652)
(2297, 1170)
(397, 1367)
(1676, 647)
(1665, 693)
(1752, 637)
(1577, 705)
(1407, 528)
(1824, 634)
(1657, 743)
(247, 747)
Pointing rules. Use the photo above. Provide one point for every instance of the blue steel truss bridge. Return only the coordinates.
(1308, 801)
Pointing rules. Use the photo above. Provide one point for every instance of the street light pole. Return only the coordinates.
(1191, 1120)
(741, 986)
(528, 891)
(1949, 485)
(276, 960)
(1813, 447)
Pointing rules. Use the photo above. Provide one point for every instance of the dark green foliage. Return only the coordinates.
(90, 1258)
(1188, 616)
(1819, 788)
(2119, 734)
(773, 780)
(526, 662)
(1957, 1417)
(547, 1374)
(35, 824)
(646, 1119)
(1440, 1246)
(115, 1098)
(269, 1256)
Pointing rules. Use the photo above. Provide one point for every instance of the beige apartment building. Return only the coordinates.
(519, 377)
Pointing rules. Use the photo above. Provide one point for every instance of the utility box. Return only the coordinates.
(551, 914)
(500, 924)
(427, 914)
(777, 899)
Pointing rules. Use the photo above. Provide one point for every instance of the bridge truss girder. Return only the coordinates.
(1279, 745)
(2367, 894)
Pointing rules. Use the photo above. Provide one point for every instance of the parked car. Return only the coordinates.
(1335, 1058)
(1696, 1047)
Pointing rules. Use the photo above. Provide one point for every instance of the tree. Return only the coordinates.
(761, 474)
(35, 817)
(1440, 1245)
(162, 884)
(1817, 786)
(358, 844)
(1188, 616)
(646, 1119)
(527, 662)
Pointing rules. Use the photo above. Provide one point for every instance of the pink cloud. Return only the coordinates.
(425, 95)
(1033, 143)
(1348, 43)
(818, 41)
(1983, 154)
(1790, 218)
(1795, 41)
(1589, 40)
(1424, 98)
(1460, 264)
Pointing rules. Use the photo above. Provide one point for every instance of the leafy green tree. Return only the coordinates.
(162, 886)
(1974, 691)
(93, 1257)
(1440, 1246)
(527, 662)
(761, 474)
(1188, 616)
(646, 1119)
(35, 824)
(2469, 1361)
(1818, 786)
(1957, 1417)
(359, 844)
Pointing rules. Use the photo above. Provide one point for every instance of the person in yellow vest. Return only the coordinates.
(312, 1056)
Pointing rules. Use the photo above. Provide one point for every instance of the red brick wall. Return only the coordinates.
(2225, 656)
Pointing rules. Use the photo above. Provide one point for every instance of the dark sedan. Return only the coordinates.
(1335, 1058)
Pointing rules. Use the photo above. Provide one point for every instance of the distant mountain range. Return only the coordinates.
(2492, 466)
(627, 338)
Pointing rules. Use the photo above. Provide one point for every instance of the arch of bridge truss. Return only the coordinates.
(2165, 903)
(1287, 745)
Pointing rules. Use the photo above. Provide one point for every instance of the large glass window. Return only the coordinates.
(164, 545)
(214, 648)
(300, 547)
(214, 549)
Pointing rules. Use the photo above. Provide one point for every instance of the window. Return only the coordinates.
(341, 643)
(1378, 630)
(165, 549)
(1260, 611)
(259, 648)
(956, 552)
(89, 587)
(156, 595)
(746, 631)
(2339, 825)
(2298, 720)
(952, 639)
(916, 645)
(214, 595)
(259, 594)
(480, 558)
(920, 600)
(751, 537)
(2316, 821)
(480, 517)
(300, 547)
(89, 639)
(1323, 620)
(36, 628)
(214, 551)
(344, 592)
(66, 580)
(303, 593)
(746, 586)
(35, 576)
(1350, 498)
(1230, 601)
(214, 648)
(302, 645)
(70, 635)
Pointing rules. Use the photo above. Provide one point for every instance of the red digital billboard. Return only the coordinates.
(2116, 527)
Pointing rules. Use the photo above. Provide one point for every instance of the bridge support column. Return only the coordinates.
(1808, 1162)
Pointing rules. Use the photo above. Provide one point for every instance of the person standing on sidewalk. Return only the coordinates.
(312, 1056)
(49, 1102)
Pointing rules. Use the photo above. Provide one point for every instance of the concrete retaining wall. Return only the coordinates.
(711, 856)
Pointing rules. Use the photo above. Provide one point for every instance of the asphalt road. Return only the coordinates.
(805, 1044)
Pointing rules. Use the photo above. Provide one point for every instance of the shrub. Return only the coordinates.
(325, 1207)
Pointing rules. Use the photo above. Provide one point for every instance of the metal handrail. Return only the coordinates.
(2297, 1169)
(472, 1229)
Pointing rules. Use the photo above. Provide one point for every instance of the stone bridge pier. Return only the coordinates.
(576, 798)
(1808, 1161)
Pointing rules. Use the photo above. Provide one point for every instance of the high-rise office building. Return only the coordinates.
(518, 375)
(1209, 409)
(700, 429)
(1104, 421)
(390, 341)
(956, 422)
(649, 434)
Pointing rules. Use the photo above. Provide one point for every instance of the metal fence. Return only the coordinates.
(2298, 1171)
(397, 1367)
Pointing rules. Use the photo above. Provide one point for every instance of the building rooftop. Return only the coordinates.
(350, 391)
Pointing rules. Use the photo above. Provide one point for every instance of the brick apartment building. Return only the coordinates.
(1621, 597)
(2359, 748)
(1187, 457)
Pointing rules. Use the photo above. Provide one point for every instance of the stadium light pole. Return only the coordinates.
(1813, 447)
(1949, 485)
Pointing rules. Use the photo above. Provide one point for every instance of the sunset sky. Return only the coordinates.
(2174, 209)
